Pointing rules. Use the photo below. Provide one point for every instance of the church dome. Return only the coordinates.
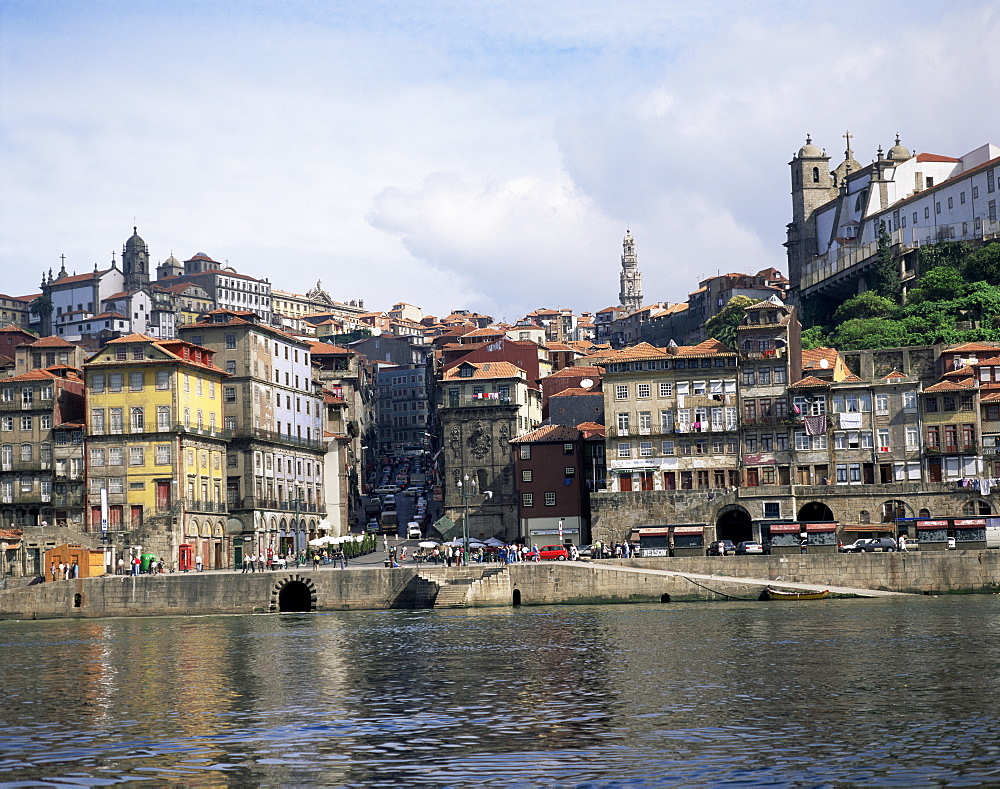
(897, 152)
(809, 150)
(135, 242)
(172, 261)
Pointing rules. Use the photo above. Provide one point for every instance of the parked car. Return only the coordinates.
(384, 489)
(721, 548)
(413, 531)
(872, 545)
(748, 548)
(556, 552)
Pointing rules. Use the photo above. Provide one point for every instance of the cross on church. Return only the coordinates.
(847, 136)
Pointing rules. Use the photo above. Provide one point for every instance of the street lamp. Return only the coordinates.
(467, 492)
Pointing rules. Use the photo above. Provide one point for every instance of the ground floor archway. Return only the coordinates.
(294, 595)
(734, 524)
(815, 512)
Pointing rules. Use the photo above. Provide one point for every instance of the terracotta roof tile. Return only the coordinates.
(810, 382)
(952, 386)
(555, 433)
(484, 370)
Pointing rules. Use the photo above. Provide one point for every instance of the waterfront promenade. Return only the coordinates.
(368, 585)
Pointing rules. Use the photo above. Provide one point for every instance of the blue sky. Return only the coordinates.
(483, 155)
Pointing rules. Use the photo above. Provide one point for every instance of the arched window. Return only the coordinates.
(893, 511)
(481, 480)
(815, 175)
(924, 513)
(865, 517)
(976, 507)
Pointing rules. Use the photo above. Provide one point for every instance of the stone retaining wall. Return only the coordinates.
(540, 583)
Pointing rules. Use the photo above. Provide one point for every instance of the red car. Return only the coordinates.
(555, 552)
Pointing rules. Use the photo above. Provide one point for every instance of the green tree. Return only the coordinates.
(858, 333)
(883, 277)
(945, 253)
(42, 307)
(939, 284)
(814, 338)
(865, 305)
(722, 326)
(983, 264)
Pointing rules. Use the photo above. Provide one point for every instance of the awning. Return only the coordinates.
(689, 529)
(868, 527)
(813, 528)
(932, 525)
(785, 528)
(12, 547)
(969, 523)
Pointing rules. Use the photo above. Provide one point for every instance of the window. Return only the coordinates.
(624, 450)
(881, 403)
(116, 456)
(642, 390)
(116, 382)
(116, 485)
(230, 341)
(231, 366)
(772, 510)
(550, 498)
(527, 499)
(136, 456)
(117, 418)
(228, 422)
(667, 448)
(525, 451)
(45, 422)
(229, 394)
(841, 474)
(966, 402)
(136, 381)
(137, 419)
(781, 441)
(780, 376)
(883, 440)
(645, 449)
(801, 441)
(948, 403)
(27, 452)
(163, 454)
(567, 449)
(96, 384)
(666, 390)
(645, 422)
(26, 422)
(930, 405)
(97, 421)
(162, 379)
(623, 423)
(96, 456)
(526, 475)
(621, 391)
(163, 417)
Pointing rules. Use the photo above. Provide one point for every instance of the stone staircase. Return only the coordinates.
(455, 583)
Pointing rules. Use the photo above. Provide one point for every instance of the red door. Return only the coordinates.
(625, 483)
(162, 494)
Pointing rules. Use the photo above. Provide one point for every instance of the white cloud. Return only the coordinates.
(486, 156)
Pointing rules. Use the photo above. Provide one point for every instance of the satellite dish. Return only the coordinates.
(824, 363)
(586, 383)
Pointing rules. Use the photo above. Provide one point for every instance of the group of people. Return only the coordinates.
(257, 563)
(63, 571)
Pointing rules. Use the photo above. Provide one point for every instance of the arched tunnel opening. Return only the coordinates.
(295, 596)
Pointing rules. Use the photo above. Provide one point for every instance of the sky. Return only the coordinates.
(480, 155)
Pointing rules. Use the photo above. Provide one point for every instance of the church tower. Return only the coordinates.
(135, 262)
(630, 296)
(812, 187)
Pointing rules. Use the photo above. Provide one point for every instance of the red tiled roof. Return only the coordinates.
(555, 433)
(936, 157)
(952, 386)
(51, 342)
(576, 391)
(484, 370)
(711, 345)
(810, 382)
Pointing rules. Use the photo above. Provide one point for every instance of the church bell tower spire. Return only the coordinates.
(630, 296)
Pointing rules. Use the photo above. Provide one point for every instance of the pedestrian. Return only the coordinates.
(121, 566)
(260, 562)
(52, 570)
(246, 563)
(197, 563)
(135, 565)
(902, 543)
(76, 569)
(343, 559)
(315, 560)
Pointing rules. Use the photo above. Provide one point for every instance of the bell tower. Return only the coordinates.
(812, 187)
(135, 262)
(630, 296)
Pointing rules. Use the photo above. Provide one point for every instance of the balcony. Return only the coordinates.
(34, 405)
(771, 421)
(477, 402)
(27, 465)
(273, 437)
(952, 449)
(255, 503)
(67, 500)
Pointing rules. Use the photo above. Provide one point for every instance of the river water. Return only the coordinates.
(899, 691)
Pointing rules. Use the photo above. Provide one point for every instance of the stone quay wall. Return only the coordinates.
(543, 583)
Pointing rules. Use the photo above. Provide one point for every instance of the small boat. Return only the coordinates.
(786, 594)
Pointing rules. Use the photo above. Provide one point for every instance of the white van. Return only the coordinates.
(413, 531)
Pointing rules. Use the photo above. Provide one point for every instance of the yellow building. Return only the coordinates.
(156, 449)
